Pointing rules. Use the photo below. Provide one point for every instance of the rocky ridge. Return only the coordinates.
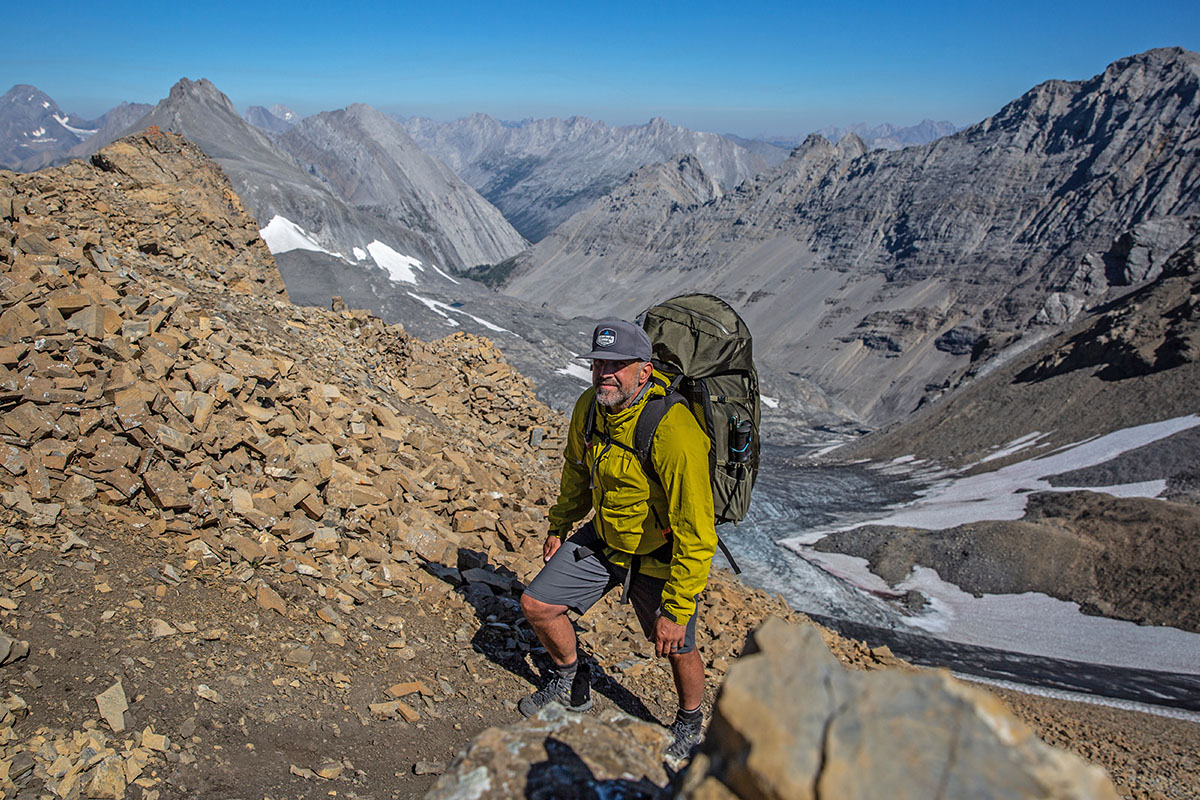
(540, 172)
(264, 532)
(879, 274)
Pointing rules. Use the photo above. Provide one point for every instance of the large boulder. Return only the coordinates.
(791, 722)
(560, 754)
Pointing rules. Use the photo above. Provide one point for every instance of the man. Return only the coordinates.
(654, 536)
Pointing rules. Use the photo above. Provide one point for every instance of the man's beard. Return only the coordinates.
(610, 396)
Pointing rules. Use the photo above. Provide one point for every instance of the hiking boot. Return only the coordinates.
(572, 692)
(686, 733)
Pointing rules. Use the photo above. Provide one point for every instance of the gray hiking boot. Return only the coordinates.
(573, 693)
(686, 732)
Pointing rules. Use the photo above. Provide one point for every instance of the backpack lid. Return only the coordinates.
(698, 335)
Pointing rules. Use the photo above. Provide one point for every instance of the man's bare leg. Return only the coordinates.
(568, 681)
(553, 628)
(688, 671)
(687, 729)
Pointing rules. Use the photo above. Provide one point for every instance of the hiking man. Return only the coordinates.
(653, 536)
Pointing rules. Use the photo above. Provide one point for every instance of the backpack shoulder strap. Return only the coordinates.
(647, 425)
(589, 424)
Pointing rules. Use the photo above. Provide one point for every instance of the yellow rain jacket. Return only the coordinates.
(634, 514)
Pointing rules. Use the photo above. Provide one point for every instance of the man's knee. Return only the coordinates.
(685, 661)
(536, 611)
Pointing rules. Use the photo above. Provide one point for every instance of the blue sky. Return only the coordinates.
(751, 68)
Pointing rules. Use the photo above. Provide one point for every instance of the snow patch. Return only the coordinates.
(769, 402)
(398, 266)
(1030, 622)
(575, 371)
(45, 104)
(359, 254)
(444, 310)
(443, 274)
(1016, 445)
(1001, 494)
(1038, 624)
(283, 235)
(77, 131)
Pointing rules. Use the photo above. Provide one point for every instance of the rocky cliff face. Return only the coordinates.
(851, 266)
(540, 172)
(371, 162)
(1129, 364)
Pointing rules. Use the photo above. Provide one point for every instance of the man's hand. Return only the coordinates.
(668, 636)
(550, 547)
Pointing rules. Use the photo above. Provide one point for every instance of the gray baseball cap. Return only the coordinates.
(618, 340)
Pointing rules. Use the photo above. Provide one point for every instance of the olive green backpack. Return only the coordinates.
(705, 348)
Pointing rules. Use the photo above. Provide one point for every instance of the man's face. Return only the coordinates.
(618, 382)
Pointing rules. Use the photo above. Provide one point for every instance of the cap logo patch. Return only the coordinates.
(606, 338)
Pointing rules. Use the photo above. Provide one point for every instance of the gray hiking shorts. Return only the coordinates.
(578, 575)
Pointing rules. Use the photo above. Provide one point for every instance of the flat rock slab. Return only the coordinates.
(113, 705)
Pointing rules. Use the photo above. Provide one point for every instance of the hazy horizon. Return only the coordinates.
(758, 70)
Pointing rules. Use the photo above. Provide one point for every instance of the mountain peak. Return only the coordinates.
(14, 94)
(851, 146)
(186, 91)
(814, 143)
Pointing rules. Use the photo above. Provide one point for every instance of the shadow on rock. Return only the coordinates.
(504, 636)
(565, 774)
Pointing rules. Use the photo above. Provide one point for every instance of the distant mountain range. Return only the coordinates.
(890, 137)
(540, 172)
(880, 274)
(884, 136)
(276, 119)
(34, 131)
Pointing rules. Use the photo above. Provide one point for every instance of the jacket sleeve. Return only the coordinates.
(680, 454)
(574, 496)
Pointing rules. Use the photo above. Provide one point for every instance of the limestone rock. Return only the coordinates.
(113, 705)
(560, 754)
(791, 722)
